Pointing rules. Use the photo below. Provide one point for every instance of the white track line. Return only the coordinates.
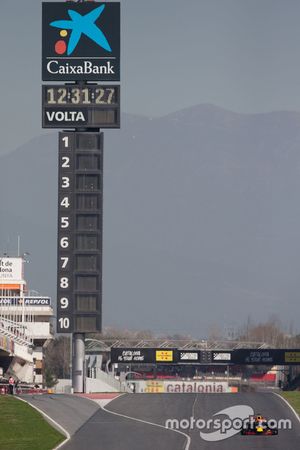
(48, 418)
(194, 404)
(289, 405)
(188, 443)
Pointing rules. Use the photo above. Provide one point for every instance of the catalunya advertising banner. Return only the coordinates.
(181, 387)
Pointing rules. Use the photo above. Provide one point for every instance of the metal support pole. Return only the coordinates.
(23, 307)
(78, 366)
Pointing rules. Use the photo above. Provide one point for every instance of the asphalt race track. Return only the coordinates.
(70, 411)
(107, 430)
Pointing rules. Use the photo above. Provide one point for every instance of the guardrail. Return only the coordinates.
(22, 389)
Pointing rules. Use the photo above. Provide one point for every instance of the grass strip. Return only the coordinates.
(24, 428)
(293, 397)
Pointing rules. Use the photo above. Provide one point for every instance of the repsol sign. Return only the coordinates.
(43, 301)
(28, 301)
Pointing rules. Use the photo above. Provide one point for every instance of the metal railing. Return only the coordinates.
(14, 331)
(105, 345)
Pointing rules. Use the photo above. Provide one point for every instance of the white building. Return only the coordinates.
(25, 324)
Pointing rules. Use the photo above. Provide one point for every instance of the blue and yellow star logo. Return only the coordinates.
(80, 25)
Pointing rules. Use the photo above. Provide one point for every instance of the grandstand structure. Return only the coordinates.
(25, 324)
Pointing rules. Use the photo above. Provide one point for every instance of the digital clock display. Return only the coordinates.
(86, 95)
(81, 106)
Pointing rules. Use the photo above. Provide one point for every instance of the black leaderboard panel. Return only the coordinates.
(80, 195)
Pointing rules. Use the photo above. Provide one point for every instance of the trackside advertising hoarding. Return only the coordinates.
(143, 355)
(201, 387)
(181, 387)
(28, 301)
(167, 355)
(266, 356)
(188, 356)
(206, 357)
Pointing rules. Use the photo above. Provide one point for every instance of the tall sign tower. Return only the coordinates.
(81, 47)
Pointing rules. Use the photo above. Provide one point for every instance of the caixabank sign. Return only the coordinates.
(81, 41)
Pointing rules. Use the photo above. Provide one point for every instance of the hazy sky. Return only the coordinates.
(242, 55)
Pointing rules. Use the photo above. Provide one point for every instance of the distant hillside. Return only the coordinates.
(201, 218)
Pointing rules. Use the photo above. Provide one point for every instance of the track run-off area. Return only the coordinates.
(138, 421)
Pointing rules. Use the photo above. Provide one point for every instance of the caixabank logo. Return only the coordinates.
(81, 41)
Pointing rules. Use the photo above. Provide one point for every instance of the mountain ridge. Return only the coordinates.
(200, 217)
